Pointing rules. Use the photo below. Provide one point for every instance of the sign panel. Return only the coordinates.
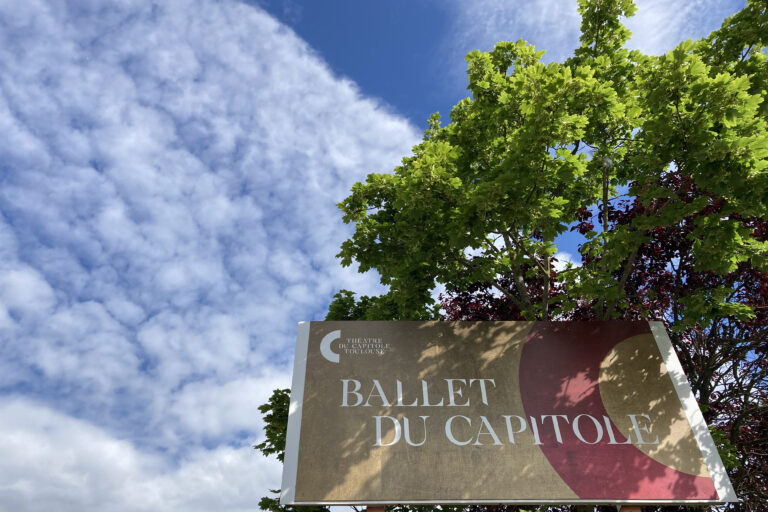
(495, 412)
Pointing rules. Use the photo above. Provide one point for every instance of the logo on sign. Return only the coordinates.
(357, 346)
(325, 346)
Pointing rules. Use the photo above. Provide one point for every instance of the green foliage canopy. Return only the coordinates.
(539, 148)
(538, 144)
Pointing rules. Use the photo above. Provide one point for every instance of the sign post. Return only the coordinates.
(429, 413)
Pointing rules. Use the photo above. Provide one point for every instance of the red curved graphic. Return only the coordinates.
(559, 373)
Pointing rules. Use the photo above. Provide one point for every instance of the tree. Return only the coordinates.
(725, 358)
(659, 163)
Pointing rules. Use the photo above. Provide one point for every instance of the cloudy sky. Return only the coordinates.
(168, 180)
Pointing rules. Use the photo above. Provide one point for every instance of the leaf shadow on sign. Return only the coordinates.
(479, 465)
(611, 384)
(491, 465)
(538, 369)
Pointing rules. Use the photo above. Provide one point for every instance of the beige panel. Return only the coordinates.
(337, 457)
(629, 382)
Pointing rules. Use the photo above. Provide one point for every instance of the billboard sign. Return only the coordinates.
(495, 412)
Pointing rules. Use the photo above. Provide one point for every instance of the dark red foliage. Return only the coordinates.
(725, 359)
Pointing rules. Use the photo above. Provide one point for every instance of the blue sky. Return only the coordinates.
(168, 181)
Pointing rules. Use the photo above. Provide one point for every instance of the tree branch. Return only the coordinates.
(518, 280)
(622, 281)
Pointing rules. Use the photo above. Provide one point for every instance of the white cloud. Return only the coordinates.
(24, 291)
(54, 462)
(167, 215)
(660, 25)
(211, 410)
(565, 260)
(553, 25)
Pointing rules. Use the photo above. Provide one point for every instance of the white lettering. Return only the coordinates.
(398, 431)
(511, 433)
(535, 430)
(453, 393)
(577, 430)
(609, 431)
(425, 396)
(408, 431)
(483, 394)
(555, 424)
(489, 432)
(345, 392)
(644, 428)
(379, 393)
(400, 397)
(449, 433)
